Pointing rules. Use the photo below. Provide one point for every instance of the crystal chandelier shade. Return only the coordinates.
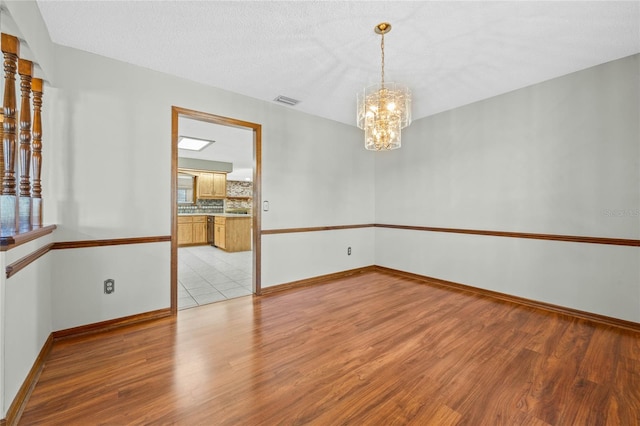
(383, 109)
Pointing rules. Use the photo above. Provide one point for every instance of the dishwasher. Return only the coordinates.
(210, 230)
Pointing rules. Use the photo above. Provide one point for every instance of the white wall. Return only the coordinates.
(140, 272)
(25, 297)
(322, 253)
(110, 142)
(559, 157)
(27, 316)
(3, 322)
(316, 176)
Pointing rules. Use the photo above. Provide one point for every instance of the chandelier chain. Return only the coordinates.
(382, 48)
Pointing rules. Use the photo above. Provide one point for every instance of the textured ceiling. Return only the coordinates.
(321, 53)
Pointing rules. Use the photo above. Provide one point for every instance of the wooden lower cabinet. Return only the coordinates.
(185, 230)
(200, 230)
(220, 232)
(229, 233)
(192, 230)
(232, 233)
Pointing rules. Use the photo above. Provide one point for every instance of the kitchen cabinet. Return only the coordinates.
(200, 230)
(220, 185)
(233, 234)
(220, 232)
(205, 185)
(212, 185)
(192, 230)
(185, 230)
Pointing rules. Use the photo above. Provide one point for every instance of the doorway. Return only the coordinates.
(179, 115)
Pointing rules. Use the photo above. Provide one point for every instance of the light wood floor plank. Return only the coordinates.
(365, 350)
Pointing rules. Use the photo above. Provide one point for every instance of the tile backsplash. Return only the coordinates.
(239, 189)
(239, 205)
(234, 189)
(202, 206)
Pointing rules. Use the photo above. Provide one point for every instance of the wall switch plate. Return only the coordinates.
(109, 286)
(349, 251)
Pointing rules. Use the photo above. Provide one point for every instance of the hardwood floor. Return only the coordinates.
(368, 350)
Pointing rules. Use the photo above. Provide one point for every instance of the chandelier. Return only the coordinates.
(383, 109)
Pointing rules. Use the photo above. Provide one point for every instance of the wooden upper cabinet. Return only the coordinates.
(212, 185)
(220, 184)
(205, 185)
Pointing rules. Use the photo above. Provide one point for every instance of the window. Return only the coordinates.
(186, 188)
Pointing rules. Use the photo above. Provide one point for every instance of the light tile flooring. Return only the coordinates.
(207, 274)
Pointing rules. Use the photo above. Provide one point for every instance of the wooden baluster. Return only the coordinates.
(1, 150)
(25, 69)
(36, 157)
(8, 204)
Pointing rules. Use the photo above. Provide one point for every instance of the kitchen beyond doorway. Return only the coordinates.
(197, 277)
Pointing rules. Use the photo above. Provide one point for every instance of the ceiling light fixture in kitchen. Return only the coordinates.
(383, 109)
(193, 144)
(286, 100)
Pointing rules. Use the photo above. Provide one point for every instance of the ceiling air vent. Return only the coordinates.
(287, 101)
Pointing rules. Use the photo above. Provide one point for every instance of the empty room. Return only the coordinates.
(320, 212)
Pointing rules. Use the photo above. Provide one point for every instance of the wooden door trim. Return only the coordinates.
(176, 113)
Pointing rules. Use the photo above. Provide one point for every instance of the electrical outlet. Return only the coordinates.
(349, 251)
(109, 286)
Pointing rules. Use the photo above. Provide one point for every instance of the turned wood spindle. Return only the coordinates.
(36, 156)
(25, 69)
(1, 149)
(10, 50)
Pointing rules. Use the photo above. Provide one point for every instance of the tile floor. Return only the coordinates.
(207, 274)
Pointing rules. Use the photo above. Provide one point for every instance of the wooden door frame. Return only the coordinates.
(176, 113)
